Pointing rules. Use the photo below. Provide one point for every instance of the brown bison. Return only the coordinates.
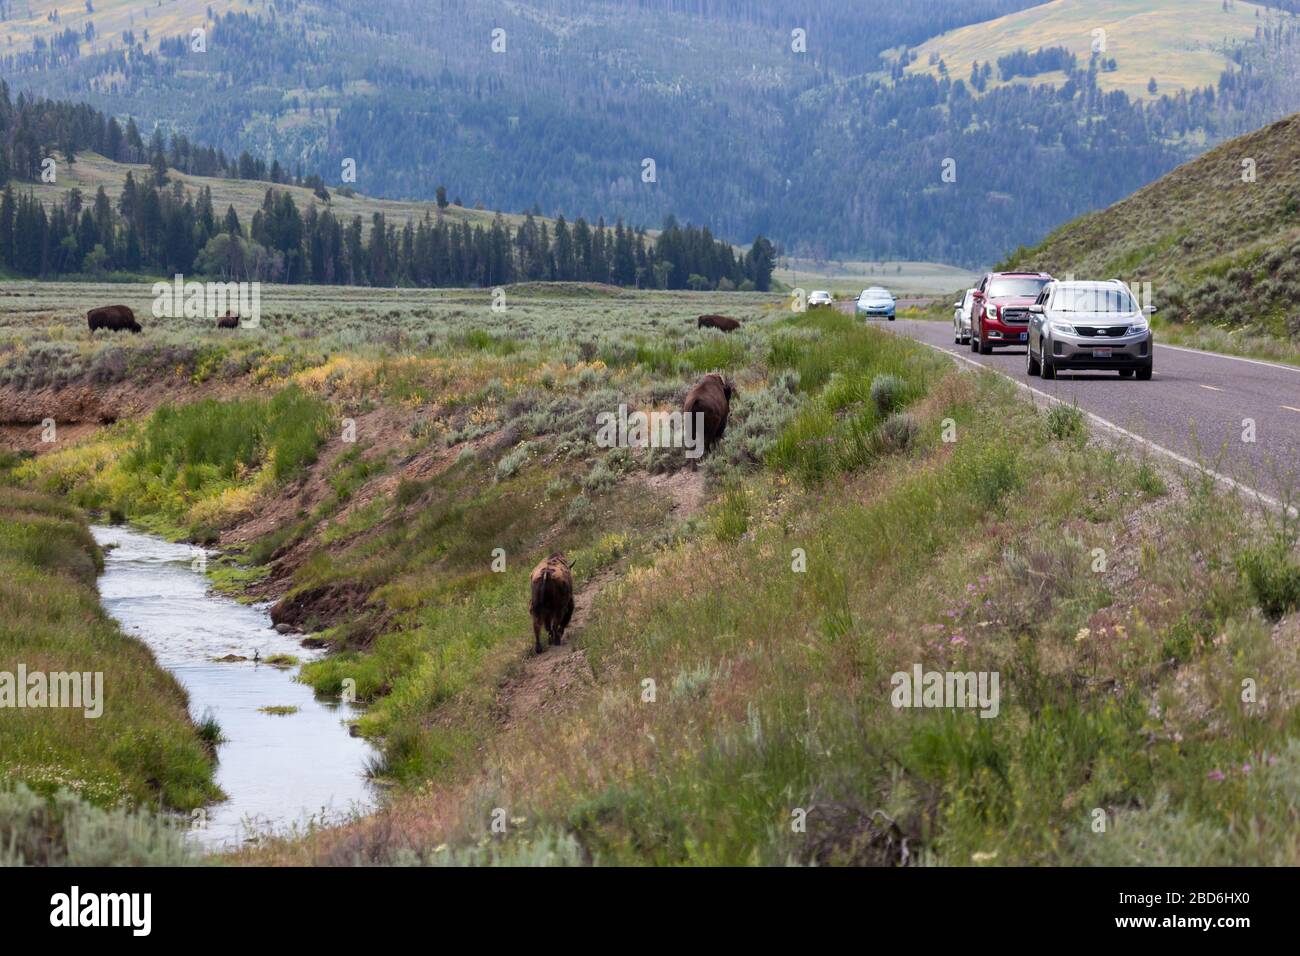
(551, 603)
(228, 321)
(719, 322)
(115, 318)
(710, 397)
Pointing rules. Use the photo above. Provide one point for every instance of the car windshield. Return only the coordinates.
(877, 295)
(1024, 287)
(1094, 299)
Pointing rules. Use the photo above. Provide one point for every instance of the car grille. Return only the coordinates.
(1101, 332)
(1015, 315)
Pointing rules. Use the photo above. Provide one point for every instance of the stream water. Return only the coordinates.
(280, 772)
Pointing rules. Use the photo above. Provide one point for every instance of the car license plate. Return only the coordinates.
(1101, 353)
(1024, 336)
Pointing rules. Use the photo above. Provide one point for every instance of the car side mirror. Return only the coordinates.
(1036, 308)
(1150, 310)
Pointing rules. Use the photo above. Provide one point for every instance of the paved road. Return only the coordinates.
(1194, 405)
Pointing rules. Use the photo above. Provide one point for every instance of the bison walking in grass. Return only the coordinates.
(551, 601)
(115, 318)
(720, 322)
(710, 398)
(228, 321)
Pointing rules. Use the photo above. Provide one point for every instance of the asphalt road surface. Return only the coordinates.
(1196, 405)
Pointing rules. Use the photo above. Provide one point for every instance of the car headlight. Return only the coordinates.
(1137, 328)
(991, 311)
(1064, 328)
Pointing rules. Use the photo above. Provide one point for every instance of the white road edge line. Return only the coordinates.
(1224, 355)
(1132, 436)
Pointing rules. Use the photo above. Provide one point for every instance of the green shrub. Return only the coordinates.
(1150, 482)
(581, 512)
(898, 432)
(731, 519)
(508, 466)
(1273, 575)
(989, 474)
(887, 391)
(1067, 423)
(64, 830)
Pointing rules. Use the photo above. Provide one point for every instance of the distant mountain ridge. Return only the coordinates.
(736, 114)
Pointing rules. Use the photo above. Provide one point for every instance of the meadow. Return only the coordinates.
(724, 696)
(1184, 44)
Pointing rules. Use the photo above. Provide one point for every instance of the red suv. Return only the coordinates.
(999, 313)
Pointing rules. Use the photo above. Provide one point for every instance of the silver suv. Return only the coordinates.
(1089, 325)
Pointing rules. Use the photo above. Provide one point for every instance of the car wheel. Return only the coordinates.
(1047, 369)
(1144, 374)
(973, 342)
(985, 348)
(1126, 373)
(1032, 367)
(891, 318)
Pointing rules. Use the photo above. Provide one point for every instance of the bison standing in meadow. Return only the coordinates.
(710, 397)
(720, 322)
(228, 321)
(551, 600)
(115, 318)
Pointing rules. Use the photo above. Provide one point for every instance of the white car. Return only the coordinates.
(961, 318)
(820, 297)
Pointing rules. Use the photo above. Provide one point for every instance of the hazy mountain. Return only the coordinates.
(833, 140)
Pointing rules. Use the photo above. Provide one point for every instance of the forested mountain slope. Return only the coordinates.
(815, 126)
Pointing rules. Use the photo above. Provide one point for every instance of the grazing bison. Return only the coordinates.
(551, 602)
(115, 318)
(719, 322)
(711, 397)
(228, 321)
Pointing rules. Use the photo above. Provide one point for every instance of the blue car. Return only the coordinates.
(875, 303)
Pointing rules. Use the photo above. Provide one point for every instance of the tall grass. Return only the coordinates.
(143, 749)
(211, 439)
(188, 467)
(775, 682)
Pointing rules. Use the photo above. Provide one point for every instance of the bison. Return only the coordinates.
(228, 321)
(115, 318)
(710, 397)
(551, 603)
(719, 322)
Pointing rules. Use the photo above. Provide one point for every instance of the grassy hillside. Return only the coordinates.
(142, 748)
(1184, 44)
(1218, 251)
(769, 597)
(112, 18)
(89, 171)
